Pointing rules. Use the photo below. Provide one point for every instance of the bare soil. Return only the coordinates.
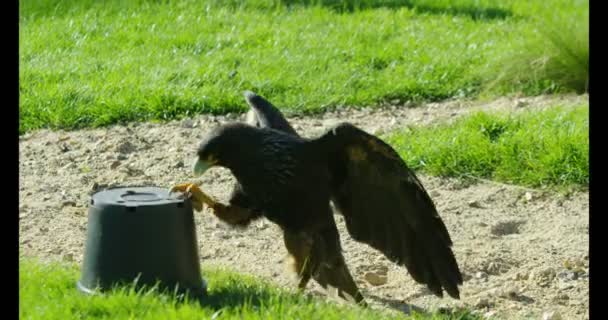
(523, 252)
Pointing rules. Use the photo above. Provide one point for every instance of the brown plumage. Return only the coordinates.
(291, 181)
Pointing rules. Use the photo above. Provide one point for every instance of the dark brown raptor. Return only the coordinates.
(291, 181)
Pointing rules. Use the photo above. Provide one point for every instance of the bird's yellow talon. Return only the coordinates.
(197, 195)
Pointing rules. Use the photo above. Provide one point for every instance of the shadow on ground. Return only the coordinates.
(421, 6)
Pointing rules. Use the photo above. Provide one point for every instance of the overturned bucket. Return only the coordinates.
(141, 235)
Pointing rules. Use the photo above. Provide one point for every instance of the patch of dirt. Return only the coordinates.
(522, 252)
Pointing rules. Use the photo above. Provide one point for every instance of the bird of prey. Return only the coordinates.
(292, 181)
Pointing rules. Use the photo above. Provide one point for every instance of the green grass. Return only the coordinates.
(554, 57)
(90, 63)
(537, 149)
(47, 291)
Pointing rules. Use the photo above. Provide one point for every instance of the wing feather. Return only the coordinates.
(385, 205)
(265, 115)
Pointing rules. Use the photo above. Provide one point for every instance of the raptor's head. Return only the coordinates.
(225, 146)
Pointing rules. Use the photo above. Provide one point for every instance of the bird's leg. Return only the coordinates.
(197, 195)
(332, 270)
(233, 214)
(299, 247)
(337, 275)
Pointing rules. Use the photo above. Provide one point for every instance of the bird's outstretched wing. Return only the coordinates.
(264, 115)
(386, 206)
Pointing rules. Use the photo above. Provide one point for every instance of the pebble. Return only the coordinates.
(509, 292)
(375, 278)
(561, 297)
(121, 157)
(493, 268)
(115, 164)
(521, 104)
(94, 186)
(475, 204)
(261, 225)
(552, 315)
(125, 147)
(567, 275)
(68, 203)
(188, 123)
(482, 303)
(528, 196)
(505, 228)
(565, 286)
(68, 166)
(179, 164)
(544, 274)
(520, 276)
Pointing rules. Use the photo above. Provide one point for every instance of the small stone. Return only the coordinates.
(375, 279)
(567, 275)
(521, 276)
(552, 315)
(68, 166)
(125, 147)
(565, 286)
(179, 164)
(548, 273)
(528, 196)
(187, 123)
(543, 277)
(475, 204)
(480, 275)
(509, 292)
(115, 164)
(69, 203)
(240, 244)
(46, 197)
(94, 186)
(261, 225)
(380, 269)
(121, 157)
(506, 228)
(482, 303)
